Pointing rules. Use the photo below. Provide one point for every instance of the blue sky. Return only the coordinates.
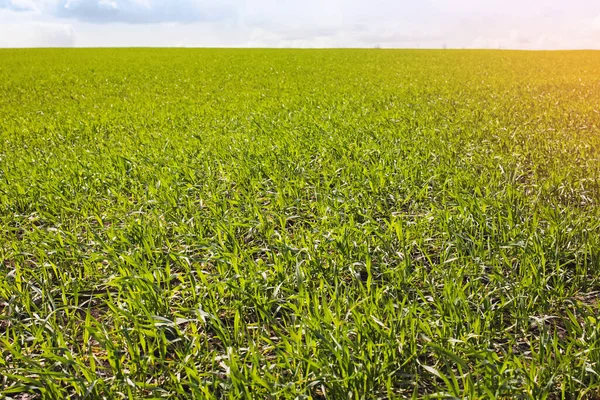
(524, 24)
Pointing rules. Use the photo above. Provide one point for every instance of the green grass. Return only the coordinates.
(299, 224)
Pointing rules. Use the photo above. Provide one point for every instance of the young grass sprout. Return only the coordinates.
(319, 224)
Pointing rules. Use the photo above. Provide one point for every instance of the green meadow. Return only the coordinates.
(299, 224)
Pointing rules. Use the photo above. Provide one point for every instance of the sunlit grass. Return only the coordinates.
(299, 224)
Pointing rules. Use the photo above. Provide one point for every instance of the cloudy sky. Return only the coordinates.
(517, 24)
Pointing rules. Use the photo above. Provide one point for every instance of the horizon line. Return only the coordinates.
(295, 48)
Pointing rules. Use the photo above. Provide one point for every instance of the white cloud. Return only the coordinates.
(309, 23)
(143, 11)
(20, 5)
(108, 5)
(37, 34)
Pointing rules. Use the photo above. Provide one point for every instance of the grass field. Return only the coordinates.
(299, 224)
